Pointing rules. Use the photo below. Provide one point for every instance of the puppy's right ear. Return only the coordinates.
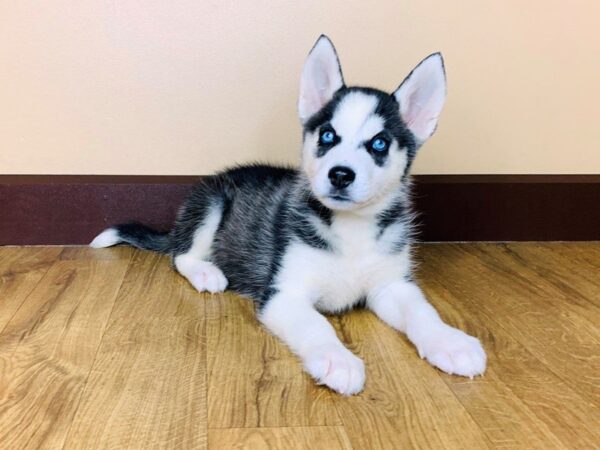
(321, 78)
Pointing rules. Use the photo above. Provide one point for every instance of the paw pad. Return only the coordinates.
(209, 278)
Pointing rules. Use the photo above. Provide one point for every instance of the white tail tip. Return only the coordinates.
(107, 238)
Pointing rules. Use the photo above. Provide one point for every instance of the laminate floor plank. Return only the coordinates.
(21, 269)
(515, 370)
(535, 313)
(405, 403)
(78, 253)
(147, 388)
(112, 349)
(254, 381)
(508, 397)
(47, 350)
(569, 267)
(278, 438)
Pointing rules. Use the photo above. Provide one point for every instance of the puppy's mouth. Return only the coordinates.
(339, 201)
(339, 198)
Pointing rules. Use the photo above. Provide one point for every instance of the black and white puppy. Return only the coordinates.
(327, 237)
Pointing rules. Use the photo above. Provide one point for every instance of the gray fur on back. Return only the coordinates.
(263, 208)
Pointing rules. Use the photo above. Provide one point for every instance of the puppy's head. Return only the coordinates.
(360, 142)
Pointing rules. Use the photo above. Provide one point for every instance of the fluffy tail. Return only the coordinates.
(134, 234)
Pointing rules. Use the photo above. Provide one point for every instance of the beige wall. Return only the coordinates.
(186, 87)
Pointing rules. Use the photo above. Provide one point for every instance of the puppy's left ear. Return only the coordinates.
(321, 78)
(421, 97)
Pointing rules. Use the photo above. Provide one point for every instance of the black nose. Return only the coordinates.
(341, 176)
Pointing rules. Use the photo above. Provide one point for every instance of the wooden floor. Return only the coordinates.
(111, 349)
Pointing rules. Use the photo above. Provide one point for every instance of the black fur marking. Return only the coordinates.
(204, 195)
(324, 147)
(380, 157)
(306, 232)
(398, 212)
(251, 174)
(301, 211)
(142, 236)
(278, 251)
(291, 220)
(325, 114)
(387, 107)
(322, 211)
(263, 208)
(253, 235)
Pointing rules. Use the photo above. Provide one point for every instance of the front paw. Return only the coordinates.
(452, 351)
(336, 367)
(208, 277)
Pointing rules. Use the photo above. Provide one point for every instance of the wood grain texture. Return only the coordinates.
(508, 396)
(147, 388)
(550, 322)
(260, 383)
(517, 372)
(20, 271)
(294, 438)
(112, 349)
(78, 253)
(47, 350)
(405, 403)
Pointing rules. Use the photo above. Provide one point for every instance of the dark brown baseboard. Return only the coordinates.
(72, 209)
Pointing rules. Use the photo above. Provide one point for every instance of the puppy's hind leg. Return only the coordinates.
(193, 262)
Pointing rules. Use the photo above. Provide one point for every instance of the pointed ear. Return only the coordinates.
(321, 78)
(421, 97)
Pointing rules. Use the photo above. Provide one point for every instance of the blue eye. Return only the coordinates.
(379, 144)
(327, 137)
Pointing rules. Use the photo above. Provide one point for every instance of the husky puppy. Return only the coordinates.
(329, 236)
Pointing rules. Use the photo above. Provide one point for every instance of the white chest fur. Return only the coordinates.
(336, 279)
